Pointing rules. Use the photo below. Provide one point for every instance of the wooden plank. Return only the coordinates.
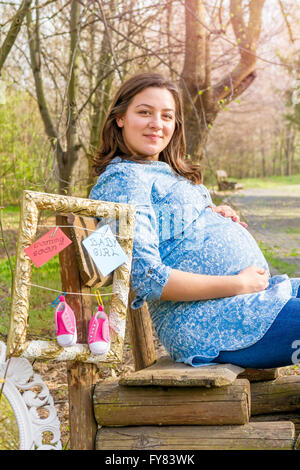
(259, 375)
(140, 332)
(168, 373)
(81, 376)
(294, 417)
(250, 436)
(280, 395)
(117, 405)
(90, 275)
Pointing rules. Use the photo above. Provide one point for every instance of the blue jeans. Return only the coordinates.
(279, 347)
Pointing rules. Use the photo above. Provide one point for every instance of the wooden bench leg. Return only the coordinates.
(81, 376)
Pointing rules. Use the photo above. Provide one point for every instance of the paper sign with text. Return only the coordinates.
(104, 250)
(47, 246)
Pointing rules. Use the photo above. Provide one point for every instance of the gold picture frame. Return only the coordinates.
(32, 203)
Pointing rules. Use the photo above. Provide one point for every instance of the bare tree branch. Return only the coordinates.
(13, 31)
(247, 38)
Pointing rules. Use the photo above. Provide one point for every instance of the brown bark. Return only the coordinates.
(66, 159)
(99, 99)
(13, 31)
(203, 100)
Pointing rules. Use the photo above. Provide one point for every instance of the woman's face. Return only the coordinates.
(149, 122)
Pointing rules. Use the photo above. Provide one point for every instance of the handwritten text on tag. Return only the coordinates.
(104, 249)
(46, 247)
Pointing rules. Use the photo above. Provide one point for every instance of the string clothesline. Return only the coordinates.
(83, 228)
(69, 293)
(59, 291)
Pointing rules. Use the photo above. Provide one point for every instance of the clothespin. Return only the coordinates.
(99, 300)
(57, 300)
(54, 231)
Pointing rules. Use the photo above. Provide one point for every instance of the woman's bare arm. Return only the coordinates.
(185, 286)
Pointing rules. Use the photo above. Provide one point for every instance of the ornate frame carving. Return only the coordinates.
(32, 203)
(18, 384)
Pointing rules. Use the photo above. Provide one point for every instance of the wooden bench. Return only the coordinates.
(224, 184)
(190, 403)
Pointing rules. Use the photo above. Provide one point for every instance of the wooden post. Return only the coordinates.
(81, 376)
(140, 325)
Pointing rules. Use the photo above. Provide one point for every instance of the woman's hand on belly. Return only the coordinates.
(227, 211)
(253, 279)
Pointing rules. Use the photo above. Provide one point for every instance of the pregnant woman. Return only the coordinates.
(206, 282)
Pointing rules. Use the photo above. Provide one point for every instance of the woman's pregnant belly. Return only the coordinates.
(215, 245)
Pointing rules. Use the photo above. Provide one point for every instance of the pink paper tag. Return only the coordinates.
(47, 247)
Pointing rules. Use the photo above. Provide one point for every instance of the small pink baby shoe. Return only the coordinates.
(65, 324)
(99, 337)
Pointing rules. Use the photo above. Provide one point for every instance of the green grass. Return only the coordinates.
(217, 199)
(10, 216)
(40, 310)
(270, 182)
(292, 230)
(12, 208)
(9, 433)
(41, 314)
(282, 266)
(294, 253)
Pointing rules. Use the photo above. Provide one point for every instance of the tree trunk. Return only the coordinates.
(13, 31)
(195, 80)
(71, 133)
(100, 100)
(289, 149)
(65, 159)
(202, 99)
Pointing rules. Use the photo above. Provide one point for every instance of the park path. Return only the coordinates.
(273, 218)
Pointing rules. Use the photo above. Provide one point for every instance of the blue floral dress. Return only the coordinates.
(176, 229)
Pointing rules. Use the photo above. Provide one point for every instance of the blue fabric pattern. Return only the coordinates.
(176, 229)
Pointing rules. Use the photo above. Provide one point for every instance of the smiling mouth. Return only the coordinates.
(153, 137)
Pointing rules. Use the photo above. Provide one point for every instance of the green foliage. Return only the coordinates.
(270, 182)
(282, 266)
(9, 433)
(25, 157)
(41, 317)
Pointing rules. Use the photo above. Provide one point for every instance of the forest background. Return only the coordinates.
(236, 61)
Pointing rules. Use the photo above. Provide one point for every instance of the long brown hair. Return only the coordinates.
(111, 138)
